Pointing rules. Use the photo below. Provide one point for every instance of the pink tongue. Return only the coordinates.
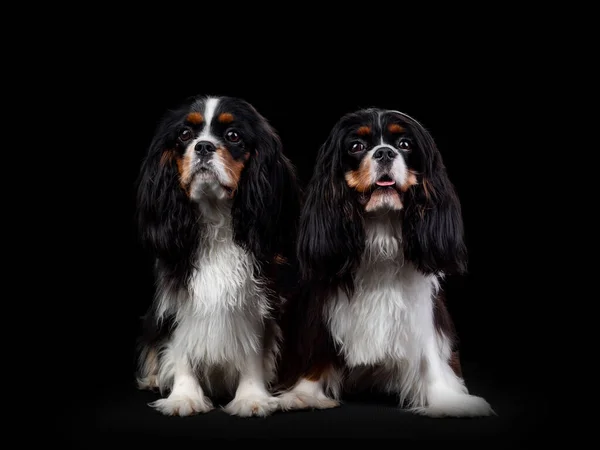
(385, 183)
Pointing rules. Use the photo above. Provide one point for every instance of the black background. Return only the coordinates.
(474, 104)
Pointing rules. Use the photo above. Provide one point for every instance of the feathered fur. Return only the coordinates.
(380, 227)
(217, 209)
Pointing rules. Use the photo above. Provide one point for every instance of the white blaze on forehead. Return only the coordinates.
(209, 109)
(214, 161)
(210, 106)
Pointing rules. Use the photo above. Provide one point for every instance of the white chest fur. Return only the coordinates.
(220, 322)
(383, 321)
(387, 336)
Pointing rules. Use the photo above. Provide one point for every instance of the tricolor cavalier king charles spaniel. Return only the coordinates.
(217, 207)
(380, 227)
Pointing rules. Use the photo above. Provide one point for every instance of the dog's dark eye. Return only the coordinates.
(357, 147)
(233, 136)
(185, 135)
(405, 144)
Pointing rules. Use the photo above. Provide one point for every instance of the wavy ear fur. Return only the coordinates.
(331, 231)
(167, 221)
(267, 201)
(330, 244)
(433, 227)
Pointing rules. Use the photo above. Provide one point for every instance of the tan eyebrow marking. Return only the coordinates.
(363, 131)
(395, 128)
(195, 118)
(226, 118)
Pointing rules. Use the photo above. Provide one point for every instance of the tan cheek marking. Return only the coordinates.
(411, 180)
(233, 167)
(195, 118)
(184, 166)
(226, 118)
(360, 179)
(395, 128)
(363, 131)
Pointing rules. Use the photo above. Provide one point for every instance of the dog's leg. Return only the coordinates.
(252, 397)
(310, 391)
(444, 391)
(155, 333)
(186, 397)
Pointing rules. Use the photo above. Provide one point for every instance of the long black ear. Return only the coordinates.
(266, 205)
(167, 222)
(331, 230)
(432, 229)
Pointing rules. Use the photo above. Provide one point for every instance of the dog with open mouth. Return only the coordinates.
(379, 229)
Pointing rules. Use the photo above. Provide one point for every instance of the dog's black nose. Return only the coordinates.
(384, 154)
(205, 147)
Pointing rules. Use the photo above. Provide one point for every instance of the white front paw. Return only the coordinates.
(300, 400)
(182, 405)
(255, 404)
(457, 405)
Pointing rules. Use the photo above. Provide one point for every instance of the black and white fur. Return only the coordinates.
(380, 227)
(217, 203)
